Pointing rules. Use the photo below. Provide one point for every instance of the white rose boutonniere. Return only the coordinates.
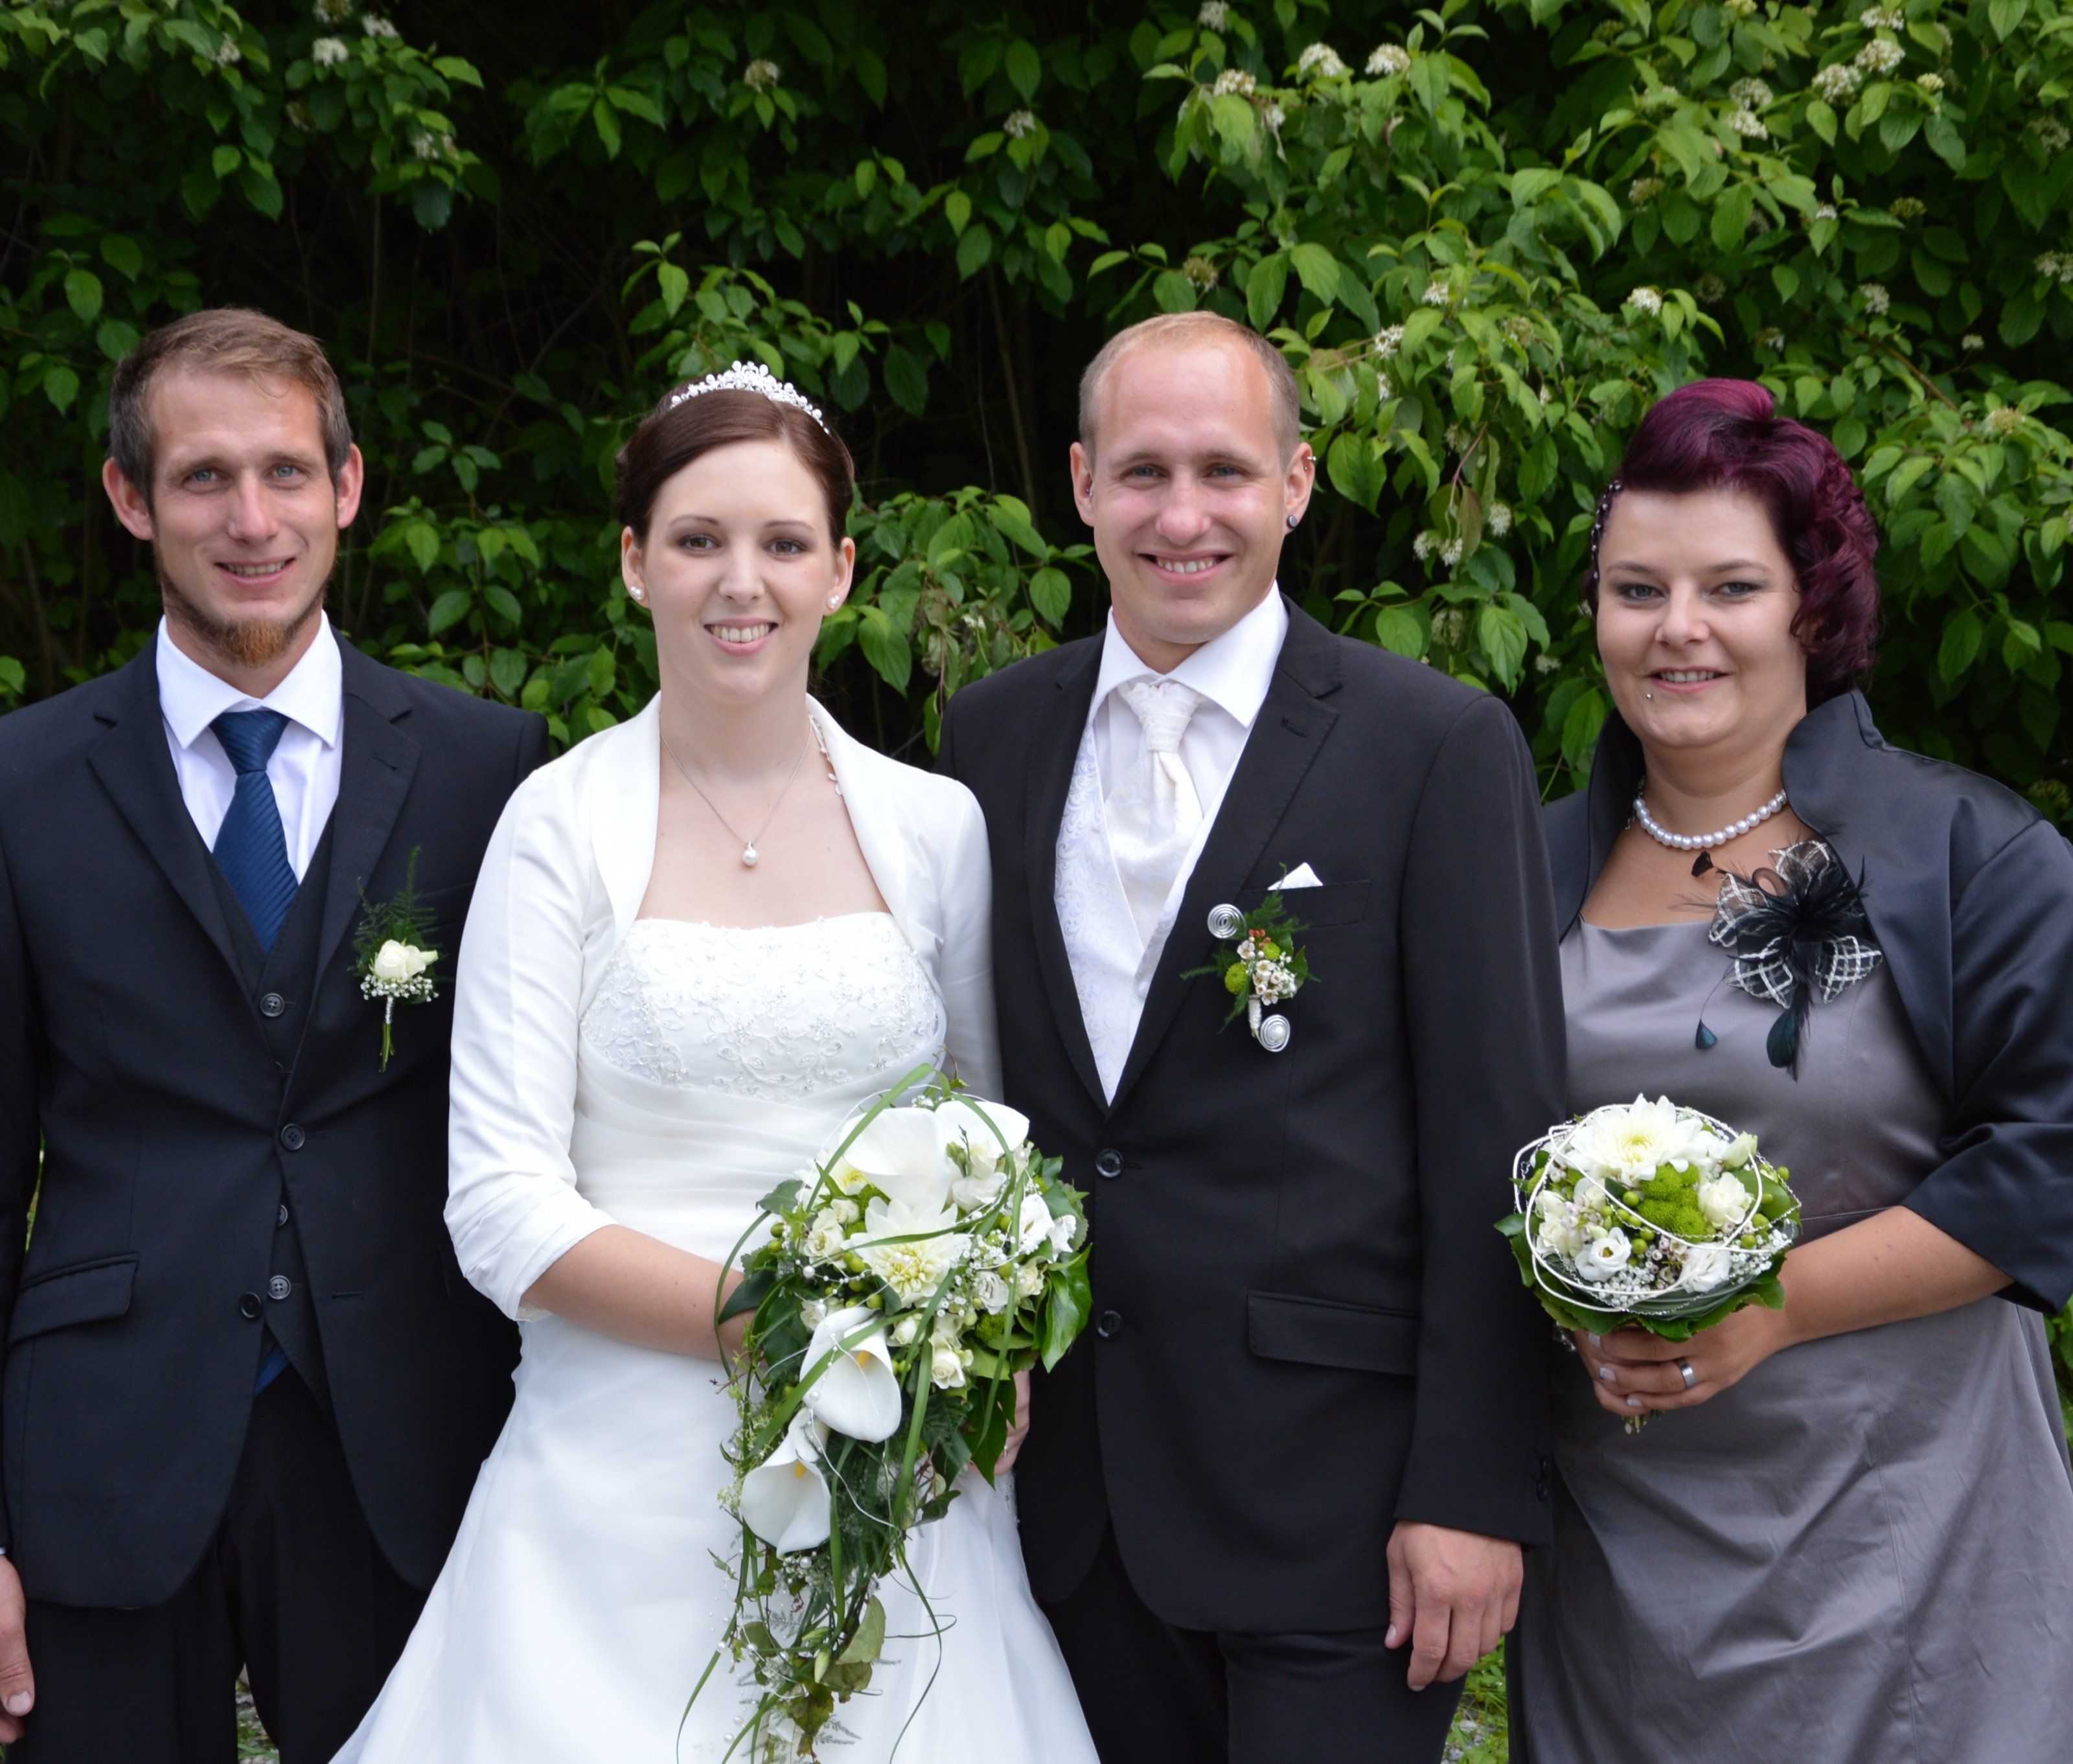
(392, 953)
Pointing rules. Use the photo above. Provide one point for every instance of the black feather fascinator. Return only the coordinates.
(1798, 934)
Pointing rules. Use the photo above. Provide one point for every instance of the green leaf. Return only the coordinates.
(83, 294)
(1318, 269)
(1962, 634)
(448, 610)
(906, 379)
(1051, 593)
(1503, 635)
(1265, 288)
(673, 284)
(1024, 68)
(1397, 628)
(957, 210)
(1173, 291)
(2004, 15)
(121, 255)
(1731, 217)
(974, 251)
(884, 647)
(1821, 119)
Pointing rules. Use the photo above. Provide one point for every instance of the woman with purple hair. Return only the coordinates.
(1848, 1534)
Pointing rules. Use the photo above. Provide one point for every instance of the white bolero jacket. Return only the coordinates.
(562, 881)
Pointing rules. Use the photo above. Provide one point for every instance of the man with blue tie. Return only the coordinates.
(245, 1389)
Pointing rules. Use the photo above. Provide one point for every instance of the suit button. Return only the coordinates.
(292, 1137)
(1108, 1162)
(272, 1005)
(281, 1218)
(248, 1307)
(279, 1287)
(1107, 1323)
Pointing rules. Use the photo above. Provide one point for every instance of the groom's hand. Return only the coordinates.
(18, 1686)
(1452, 1595)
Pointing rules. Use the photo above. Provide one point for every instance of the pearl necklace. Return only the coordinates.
(1702, 842)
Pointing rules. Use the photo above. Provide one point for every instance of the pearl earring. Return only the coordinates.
(1291, 523)
(835, 601)
(636, 594)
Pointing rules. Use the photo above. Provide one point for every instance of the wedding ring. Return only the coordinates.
(1226, 921)
(1690, 1377)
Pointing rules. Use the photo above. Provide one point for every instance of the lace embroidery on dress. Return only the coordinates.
(783, 1011)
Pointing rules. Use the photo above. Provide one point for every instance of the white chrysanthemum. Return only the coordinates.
(1643, 190)
(1319, 61)
(2003, 421)
(1837, 82)
(760, 74)
(1019, 126)
(913, 1269)
(1876, 300)
(1213, 16)
(1750, 94)
(1603, 1257)
(1388, 58)
(377, 26)
(1880, 57)
(328, 52)
(1436, 293)
(1723, 1199)
(1631, 1142)
(1972, 340)
(1234, 83)
(1496, 521)
(1646, 301)
(1388, 340)
(1930, 83)
(1748, 124)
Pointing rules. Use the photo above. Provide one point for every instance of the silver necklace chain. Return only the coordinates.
(750, 856)
(1702, 842)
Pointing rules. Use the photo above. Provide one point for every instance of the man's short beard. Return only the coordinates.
(243, 643)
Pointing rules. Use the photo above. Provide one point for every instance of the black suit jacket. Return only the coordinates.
(132, 1055)
(1308, 1328)
(1970, 893)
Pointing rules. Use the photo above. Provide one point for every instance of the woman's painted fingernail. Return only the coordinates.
(1634, 1402)
(1390, 1639)
(1609, 1374)
(1595, 1340)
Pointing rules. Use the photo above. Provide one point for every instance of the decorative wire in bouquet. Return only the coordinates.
(1650, 1215)
(895, 1290)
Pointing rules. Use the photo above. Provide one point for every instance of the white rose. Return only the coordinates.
(1591, 1196)
(904, 1331)
(1063, 1229)
(824, 1240)
(1028, 1280)
(1558, 1237)
(813, 1312)
(1723, 1199)
(392, 963)
(946, 1371)
(976, 1193)
(1740, 1152)
(1035, 1224)
(1706, 1266)
(992, 1293)
(1603, 1257)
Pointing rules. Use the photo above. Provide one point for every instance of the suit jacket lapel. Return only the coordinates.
(1286, 736)
(376, 767)
(1053, 752)
(135, 766)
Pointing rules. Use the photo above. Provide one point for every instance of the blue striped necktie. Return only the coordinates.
(251, 849)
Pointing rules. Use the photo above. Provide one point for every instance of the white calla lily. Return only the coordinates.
(785, 1498)
(990, 1131)
(901, 1153)
(858, 1393)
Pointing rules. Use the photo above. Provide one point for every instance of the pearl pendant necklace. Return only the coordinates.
(1702, 842)
(750, 856)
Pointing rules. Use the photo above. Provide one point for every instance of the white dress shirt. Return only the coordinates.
(304, 769)
(1112, 960)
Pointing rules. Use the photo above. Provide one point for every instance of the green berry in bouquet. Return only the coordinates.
(894, 1291)
(1650, 1216)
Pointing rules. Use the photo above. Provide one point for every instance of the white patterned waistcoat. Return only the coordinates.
(1112, 964)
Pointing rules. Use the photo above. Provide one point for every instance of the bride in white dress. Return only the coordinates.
(700, 940)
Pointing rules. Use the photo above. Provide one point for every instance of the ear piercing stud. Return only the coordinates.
(1291, 523)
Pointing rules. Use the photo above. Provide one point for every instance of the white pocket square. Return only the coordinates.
(1302, 876)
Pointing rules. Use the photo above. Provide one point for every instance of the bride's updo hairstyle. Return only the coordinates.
(680, 430)
(1726, 435)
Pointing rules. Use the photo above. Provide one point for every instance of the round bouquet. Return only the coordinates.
(1650, 1215)
(894, 1291)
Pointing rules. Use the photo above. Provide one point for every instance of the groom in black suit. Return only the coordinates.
(1274, 1501)
(246, 1390)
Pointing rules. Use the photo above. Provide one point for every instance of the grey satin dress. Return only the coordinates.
(1863, 1553)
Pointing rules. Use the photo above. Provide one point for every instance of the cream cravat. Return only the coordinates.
(1155, 813)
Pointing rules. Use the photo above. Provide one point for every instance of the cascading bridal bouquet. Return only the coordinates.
(1652, 1216)
(894, 1291)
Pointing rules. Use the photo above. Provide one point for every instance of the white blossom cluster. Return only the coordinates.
(1930, 83)
(1880, 57)
(1882, 18)
(1971, 341)
(1750, 94)
(1907, 207)
(1214, 15)
(2052, 135)
(332, 11)
(1450, 624)
(1200, 272)
(1019, 126)
(1388, 340)
(1273, 116)
(1388, 58)
(761, 75)
(1497, 520)
(1648, 1204)
(1710, 289)
(1234, 83)
(1644, 191)
(227, 54)
(1319, 61)
(1824, 211)
(2055, 265)
(1437, 292)
(1648, 302)
(375, 25)
(1876, 300)
(1658, 97)
(2002, 421)
(1771, 338)
(1837, 83)
(1748, 124)
(328, 52)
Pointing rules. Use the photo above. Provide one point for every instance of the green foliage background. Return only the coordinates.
(1488, 236)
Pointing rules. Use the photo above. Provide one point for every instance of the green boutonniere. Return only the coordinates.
(1261, 965)
(393, 955)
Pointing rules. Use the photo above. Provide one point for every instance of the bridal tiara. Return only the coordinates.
(750, 377)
